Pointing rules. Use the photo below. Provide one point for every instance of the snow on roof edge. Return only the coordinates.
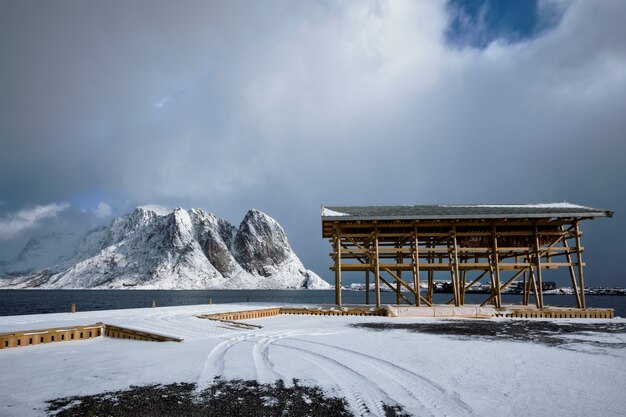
(330, 213)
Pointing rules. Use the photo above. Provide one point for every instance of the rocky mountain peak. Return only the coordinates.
(260, 244)
(179, 249)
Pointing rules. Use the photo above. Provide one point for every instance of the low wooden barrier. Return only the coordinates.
(242, 315)
(345, 311)
(133, 334)
(53, 335)
(269, 312)
(436, 311)
(561, 313)
(70, 333)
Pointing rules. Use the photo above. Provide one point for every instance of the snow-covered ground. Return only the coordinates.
(426, 373)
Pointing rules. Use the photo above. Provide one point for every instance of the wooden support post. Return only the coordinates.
(416, 267)
(453, 277)
(492, 281)
(463, 284)
(525, 289)
(367, 287)
(572, 274)
(399, 260)
(429, 291)
(496, 266)
(579, 257)
(377, 268)
(73, 308)
(539, 289)
(153, 303)
(337, 265)
(210, 301)
(533, 281)
(459, 286)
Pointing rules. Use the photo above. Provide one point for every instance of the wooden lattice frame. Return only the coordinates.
(490, 247)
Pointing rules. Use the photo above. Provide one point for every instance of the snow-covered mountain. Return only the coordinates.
(39, 253)
(180, 249)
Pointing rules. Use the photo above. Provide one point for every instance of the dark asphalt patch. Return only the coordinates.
(549, 333)
(224, 398)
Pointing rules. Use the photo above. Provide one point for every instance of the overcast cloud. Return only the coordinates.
(13, 224)
(283, 106)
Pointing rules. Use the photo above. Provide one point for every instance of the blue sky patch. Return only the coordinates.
(477, 23)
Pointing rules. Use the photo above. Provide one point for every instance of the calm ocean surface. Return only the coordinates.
(17, 302)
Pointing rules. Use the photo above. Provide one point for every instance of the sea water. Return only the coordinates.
(18, 302)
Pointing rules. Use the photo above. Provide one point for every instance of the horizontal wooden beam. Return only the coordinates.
(481, 266)
(409, 251)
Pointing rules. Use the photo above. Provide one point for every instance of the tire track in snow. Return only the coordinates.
(408, 378)
(263, 366)
(428, 397)
(215, 362)
(364, 389)
(362, 394)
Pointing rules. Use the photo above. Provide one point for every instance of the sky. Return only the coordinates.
(284, 106)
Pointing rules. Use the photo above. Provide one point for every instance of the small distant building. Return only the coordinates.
(548, 285)
(504, 243)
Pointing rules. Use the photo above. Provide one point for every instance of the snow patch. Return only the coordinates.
(326, 212)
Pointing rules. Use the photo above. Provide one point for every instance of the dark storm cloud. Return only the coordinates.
(282, 107)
